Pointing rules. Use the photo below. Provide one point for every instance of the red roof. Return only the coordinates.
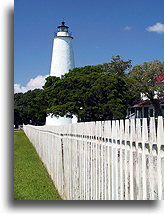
(159, 78)
(146, 103)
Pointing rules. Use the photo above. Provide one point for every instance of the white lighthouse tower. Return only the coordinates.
(62, 54)
(62, 61)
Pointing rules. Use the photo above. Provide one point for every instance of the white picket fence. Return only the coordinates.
(103, 160)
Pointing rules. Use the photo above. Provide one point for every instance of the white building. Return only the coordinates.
(62, 61)
(144, 108)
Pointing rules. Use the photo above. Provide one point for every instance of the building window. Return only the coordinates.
(151, 112)
(146, 112)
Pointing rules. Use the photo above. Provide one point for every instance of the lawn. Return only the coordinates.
(31, 180)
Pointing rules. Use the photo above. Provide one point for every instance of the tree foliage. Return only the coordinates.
(145, 81)
(92, 92)
(117, 66)
(99, 92)
(30, 107)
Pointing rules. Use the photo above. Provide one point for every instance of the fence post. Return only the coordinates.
(114, 162)
(159, 157)
(138, 159)
(103, 160)
(132, 140)
(126, 159)
(121, 159)
(144, 142)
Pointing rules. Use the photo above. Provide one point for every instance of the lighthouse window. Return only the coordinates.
(64, 29)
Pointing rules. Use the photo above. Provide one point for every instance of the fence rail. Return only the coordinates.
(103, 160)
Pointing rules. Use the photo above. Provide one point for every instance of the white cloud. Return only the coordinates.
(127, 27)
(37, 82)
(158, 28)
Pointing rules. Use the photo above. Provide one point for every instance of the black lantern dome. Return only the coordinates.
(63, 27)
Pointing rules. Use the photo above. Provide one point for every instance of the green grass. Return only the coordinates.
(31, 180)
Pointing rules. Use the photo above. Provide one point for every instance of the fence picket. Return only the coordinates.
(159, 156)
(109, 160)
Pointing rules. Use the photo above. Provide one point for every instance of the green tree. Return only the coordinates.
(50, 81)
(91, 93)
(30, 107)
(37, 108)
(145, 81)
(17, 117)
(117, 65)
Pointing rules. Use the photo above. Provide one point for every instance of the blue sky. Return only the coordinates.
(101, 29)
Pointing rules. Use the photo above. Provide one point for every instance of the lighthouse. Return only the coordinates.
(62, 53)
(62, 61)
